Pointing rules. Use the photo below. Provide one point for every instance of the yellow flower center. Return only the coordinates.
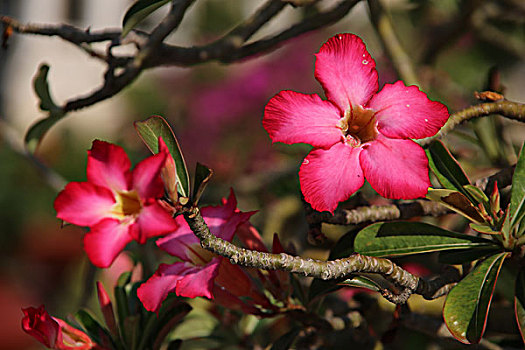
(359, 125)
(128, 204)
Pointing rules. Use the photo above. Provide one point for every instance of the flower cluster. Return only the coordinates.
(201, 273)
(357, 132)
(118, 205)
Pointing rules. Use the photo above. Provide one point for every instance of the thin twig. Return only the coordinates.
(116, 83)
(507, 109)
(403, 211)
(375, 213)
(181, 56)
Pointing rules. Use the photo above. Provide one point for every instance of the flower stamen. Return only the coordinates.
(359, 126)
(128, 204)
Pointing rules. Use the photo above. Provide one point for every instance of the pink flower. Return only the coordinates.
(357, 132)
(118, 205)
(53, 332)
(196, 274)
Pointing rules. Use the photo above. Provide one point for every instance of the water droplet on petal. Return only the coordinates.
(426, 120)
(408, 105)
(365, 62)
(306, 161)
(339, 37)
(364, 55)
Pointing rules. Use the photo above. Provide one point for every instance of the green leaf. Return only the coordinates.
(445, 167)
(149, 131)
(457, 202)
(41, 88)
(138, 12)
(517, 196)
(121, 298)
(37, 131)
(519, 302)
(478, 194)
(467, 304)
(361, 282)
(454, 257)
(203, 175)
(484, 228)
(403, 238)
(95, 331)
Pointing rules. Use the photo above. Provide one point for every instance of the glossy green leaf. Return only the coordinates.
(149, 131)
(457, 202)
(92, 327)
(478, 194)
(445, 167)
(461, 256)
(404, 238)
(517, 197)
(519, 302)
(138, 12)
(361, 282)
(203, 175)
(37, 131)
(467, 304)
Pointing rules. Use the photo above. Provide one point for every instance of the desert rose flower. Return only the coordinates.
(199, 272)
(119, 205)
(53, 332)
(357, 132)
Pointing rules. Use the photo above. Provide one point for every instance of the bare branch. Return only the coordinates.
(505, 108)
(114, 84)
(173, 55)
(326, 270)
(403, 211)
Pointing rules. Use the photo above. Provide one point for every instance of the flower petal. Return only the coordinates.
(396, 169)
(184, 278)
(83, 203)
(222, 222)
(330, 176)
(153, 221)
(291, 117)
(346, 71)
(153, 292)
(108, 166)
(146, 176)
(39, 324)
(106, 240)
(405, 112)
(180, 243)
(199, 281)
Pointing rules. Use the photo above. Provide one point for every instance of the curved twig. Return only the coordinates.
(403, 211)
(326, 270)
(507, 109)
